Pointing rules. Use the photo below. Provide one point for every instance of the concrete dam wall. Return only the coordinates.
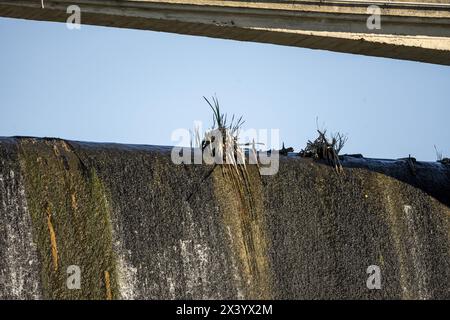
(140, 227)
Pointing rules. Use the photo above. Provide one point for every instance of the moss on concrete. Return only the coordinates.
(71, 220)
(141, 227)
(326, 229)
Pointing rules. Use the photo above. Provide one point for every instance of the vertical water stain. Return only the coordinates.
(418, 227)
(71, 220)
(238, 192)
(19, 264)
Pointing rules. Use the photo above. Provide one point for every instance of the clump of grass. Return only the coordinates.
(220, 119)
(338, 141)
(325, 148)
(230, 151)
(440, 157)
(228, 147)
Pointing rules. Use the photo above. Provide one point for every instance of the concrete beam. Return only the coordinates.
(410, 30)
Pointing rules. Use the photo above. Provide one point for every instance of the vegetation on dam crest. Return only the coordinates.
(140, 227)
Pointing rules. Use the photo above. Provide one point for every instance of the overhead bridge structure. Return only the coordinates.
(417, 30)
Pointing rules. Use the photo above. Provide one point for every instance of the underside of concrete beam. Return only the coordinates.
(410, 30)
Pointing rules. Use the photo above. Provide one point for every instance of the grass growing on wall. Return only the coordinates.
(71, 221)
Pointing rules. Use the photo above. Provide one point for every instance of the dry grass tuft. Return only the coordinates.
(324, 149)
(440, 157)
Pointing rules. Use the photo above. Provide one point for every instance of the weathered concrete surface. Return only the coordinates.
(140, 227)
(417, 30)
(19, 264)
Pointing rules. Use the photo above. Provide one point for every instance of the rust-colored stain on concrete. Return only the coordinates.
(54, 246)
(108, 286)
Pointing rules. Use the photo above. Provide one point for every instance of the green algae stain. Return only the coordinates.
(71, 221)
(238, 192)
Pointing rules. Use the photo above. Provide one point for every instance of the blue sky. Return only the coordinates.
(131, 86)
